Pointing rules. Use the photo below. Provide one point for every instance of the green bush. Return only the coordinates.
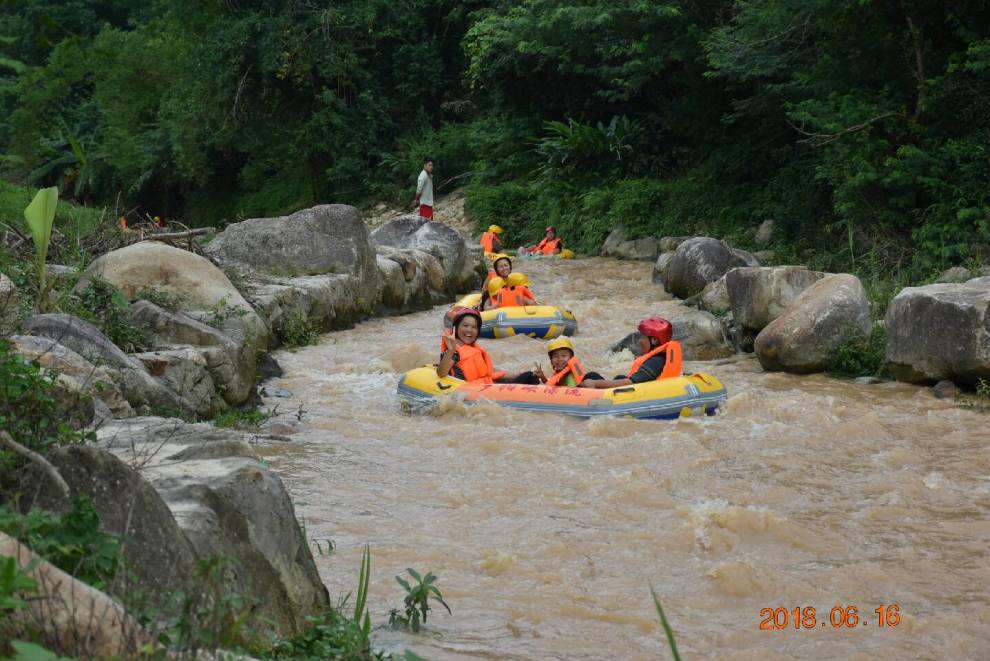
(101, 304)
(297, 331)
(29, 410)
(72, 542)
(861, 355)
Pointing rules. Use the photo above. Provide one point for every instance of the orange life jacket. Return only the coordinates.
(549, 246)
(673, 367)
(488, 240)
(474, 362)
(574, 368)
(513, 297)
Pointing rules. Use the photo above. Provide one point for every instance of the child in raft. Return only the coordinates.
(515, 293)
(567, 369)
(463, 359)
(660, 359)
(501, 268)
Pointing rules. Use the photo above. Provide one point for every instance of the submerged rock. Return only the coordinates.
(945, 389)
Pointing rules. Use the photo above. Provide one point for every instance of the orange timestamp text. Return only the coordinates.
(840, 617)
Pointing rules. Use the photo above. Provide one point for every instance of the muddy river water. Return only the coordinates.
(547, 532)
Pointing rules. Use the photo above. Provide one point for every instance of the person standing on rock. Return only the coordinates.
(424, 190)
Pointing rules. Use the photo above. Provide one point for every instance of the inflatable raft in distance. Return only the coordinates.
(544, 322)
(667, 399)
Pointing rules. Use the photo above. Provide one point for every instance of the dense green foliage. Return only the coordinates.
(72, 542)
(861, 355)
(860, 127)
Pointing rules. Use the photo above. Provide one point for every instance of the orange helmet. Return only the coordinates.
(457, 314)
(656, 327)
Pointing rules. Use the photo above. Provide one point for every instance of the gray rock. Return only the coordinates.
(765, 233)
(460, 265)
(956, 274)
(805, 336)
(866, 380)
(134, 381)
(940, 331)
(203, 290)
(698, 262)
(758, 295)
(156, 549)
(714, 298)
(393, 283)
(226, 500)
(230, 360)
(330, 238)
(10, 307)
(748, 258)
(272, 391)
(945, 389)
(643, 249)
(629, 343)
(185, 372)
(74, 370)
(661, 267)
(701, 334)
(670, 243)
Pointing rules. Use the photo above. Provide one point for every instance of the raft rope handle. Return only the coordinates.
(626, 389)
(443, 387)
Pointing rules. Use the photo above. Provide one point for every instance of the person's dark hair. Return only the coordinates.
(428, 159)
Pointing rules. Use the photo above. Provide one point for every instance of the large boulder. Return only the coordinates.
(204, 292)
(618, 246)
(231, 362)
(698, 262)
(186, 372)
(227, 501)
(156, 550)
(10, 307)
(758, 295)
(135, 383)
(460, 264)
(804, 338)
(661, 267)
(330, 238)
(714, 298)
(74, 371)
(940, 331)
(670, 243)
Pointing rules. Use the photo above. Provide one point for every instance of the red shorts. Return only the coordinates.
(426, 211)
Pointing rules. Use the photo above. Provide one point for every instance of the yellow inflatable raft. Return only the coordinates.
(696, 394)
(544, 322)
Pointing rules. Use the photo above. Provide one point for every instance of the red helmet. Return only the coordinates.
(657, 327)
(460, 312)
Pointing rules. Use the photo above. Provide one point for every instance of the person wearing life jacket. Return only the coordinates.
(462, 358)
(516, 292)
(660, 359)
(491, 292)
(501, 267)
(567, 369)
(490, 240)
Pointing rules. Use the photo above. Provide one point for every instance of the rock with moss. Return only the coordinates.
(940, 331)
(805, 337)
(618, 246)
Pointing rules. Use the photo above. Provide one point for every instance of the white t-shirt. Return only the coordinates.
(424, 188)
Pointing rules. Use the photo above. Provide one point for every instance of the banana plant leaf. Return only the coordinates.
(40, 215)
